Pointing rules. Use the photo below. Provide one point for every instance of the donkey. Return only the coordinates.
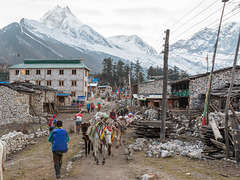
(3, 155)
(120, 129)
(88, 144)
(103, 134)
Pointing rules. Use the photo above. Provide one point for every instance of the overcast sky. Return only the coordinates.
(145, 18)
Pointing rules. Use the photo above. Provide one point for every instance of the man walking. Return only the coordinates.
(88, 107)
(59, 138)
(92, 107)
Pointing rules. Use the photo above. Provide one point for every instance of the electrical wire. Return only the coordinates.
(202, 21)
(186, 14)
(207, 25)
(196, 16)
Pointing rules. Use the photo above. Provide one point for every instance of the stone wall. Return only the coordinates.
(37, 100)
(153, 87)
(198, 86)
(14, 106)
(16, 141)
(50, 96)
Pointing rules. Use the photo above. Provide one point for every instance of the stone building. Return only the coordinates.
(193, 90)
(150, 93)
(21, 100)
(187, 92)
(66, 76)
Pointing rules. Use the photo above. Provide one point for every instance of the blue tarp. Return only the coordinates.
(1, 82)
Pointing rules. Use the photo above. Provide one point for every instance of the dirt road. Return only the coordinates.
(35, 162)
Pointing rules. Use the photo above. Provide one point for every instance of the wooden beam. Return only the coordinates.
(216, 131)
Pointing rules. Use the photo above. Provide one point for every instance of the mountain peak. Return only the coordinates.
(61, 18)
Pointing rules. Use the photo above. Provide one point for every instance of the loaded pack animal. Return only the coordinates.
(119, 130)
(100, 133)
(3, 155)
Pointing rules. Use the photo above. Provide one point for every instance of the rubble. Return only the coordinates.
(154, 148)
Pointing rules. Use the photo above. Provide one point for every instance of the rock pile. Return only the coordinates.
(16, 141)
(151, 115)
(156, 149)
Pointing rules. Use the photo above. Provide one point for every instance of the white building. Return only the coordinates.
(66, 76)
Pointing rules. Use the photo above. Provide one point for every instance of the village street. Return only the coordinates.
(35, 162)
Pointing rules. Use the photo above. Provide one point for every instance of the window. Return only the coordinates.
(49, 72)
(27, 81)
(16, 72)
(74, 83)
(49, 83)
(74, 71)
(27, 72)
(61, 71)
(61, 83)
(38, 83)
(38, 71)
(85, 83)
(73, 93)
(86, 73)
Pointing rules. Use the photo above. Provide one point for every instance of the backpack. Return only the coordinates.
(50, 122)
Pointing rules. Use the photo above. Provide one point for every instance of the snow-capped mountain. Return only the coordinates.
(201, 45)
(128, 42)
(59, 34)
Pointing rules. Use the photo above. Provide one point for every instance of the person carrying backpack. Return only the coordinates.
(51, 124)
(78, 123)
(92, 107)
(88, 107)
(59, 138)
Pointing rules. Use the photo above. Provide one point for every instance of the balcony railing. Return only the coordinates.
(181, 93)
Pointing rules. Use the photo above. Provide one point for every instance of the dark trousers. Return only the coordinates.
(57, 159)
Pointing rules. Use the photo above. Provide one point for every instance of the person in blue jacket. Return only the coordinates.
(59, 138)
(88, 107)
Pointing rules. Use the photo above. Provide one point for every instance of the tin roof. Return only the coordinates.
(50, 64)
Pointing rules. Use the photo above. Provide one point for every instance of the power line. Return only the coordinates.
(187, 14)
(206, 26)
(177, 61)
(196, 15)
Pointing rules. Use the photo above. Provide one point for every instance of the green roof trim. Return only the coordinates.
(50, 64)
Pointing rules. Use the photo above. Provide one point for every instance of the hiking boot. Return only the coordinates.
(58, 176)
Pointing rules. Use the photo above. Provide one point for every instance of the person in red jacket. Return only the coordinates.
(99, 106)
(112, 115)
(92, 107)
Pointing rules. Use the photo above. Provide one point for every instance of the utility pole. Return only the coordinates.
(130, 88)
(213, 62)
(138, 83)
(234, 125)
(165, 81)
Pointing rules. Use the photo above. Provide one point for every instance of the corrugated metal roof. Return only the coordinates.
(50, 64)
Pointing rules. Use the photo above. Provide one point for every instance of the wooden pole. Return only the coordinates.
(213, 62)
(164, 94)
(228, 101)
(130, 85)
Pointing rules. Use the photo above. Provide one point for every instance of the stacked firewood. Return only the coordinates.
(213, 137)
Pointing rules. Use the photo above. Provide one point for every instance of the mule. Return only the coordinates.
(98, 136)
(88, 144)
(3, 155)
(119, 131)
